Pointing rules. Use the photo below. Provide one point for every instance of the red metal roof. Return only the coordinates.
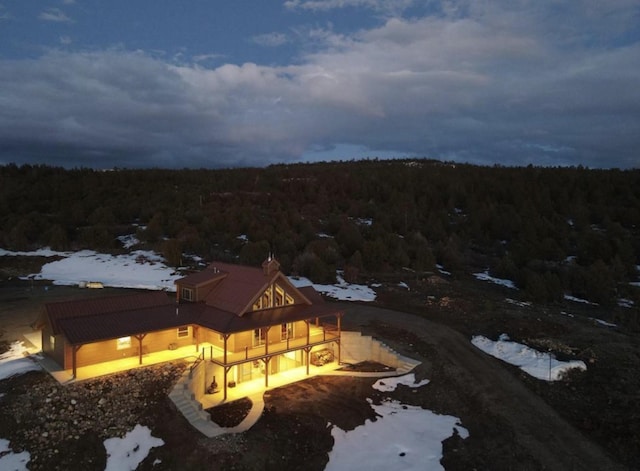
(227, 307)
(239, 286)
(57, 311)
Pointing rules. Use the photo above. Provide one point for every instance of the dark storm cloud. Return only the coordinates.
(483, 82)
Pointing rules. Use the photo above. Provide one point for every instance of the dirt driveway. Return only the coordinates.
(510, 426)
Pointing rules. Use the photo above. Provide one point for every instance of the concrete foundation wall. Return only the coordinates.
(357, 348)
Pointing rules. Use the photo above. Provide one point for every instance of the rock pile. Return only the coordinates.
(45, 417)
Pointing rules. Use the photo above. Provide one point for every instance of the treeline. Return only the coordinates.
(553, 231)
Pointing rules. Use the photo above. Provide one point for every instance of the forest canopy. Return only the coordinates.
(553, 231)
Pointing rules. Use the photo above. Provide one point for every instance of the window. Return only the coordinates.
(123, 342)
(259, 337)
(183, 331)
(286, 331)
(279, 300)
(52, 342)
(187, 294)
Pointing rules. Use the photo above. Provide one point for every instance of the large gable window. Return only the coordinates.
(273, 296)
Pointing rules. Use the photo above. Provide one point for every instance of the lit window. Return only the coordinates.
(183, 331)
(259, 337)
(286, 331)
(123, 342)
(279, 301)
(52, 342)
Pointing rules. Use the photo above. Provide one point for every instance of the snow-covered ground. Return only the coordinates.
(402, 437)
(568, 297)
(14, 362)
(147, 270)
(342, 290)
(540, 365)
(126, 453)
(484, 276)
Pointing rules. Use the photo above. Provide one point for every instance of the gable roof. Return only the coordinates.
(239, 286)
(227, 307)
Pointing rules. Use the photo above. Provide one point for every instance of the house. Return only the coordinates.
(248, 322)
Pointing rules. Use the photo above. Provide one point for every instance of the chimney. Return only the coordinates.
(270, 265)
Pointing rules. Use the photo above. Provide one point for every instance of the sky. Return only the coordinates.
(201, 84)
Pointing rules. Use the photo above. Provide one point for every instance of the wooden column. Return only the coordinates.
(307, 351)
(339, 336)
(266, 371)
(266, 341)
(308, 331)
(226, 372)
(74, 351)
(226, 368)
(139, 337)
(196, 335)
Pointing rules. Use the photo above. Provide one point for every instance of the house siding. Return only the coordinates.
(98, 352)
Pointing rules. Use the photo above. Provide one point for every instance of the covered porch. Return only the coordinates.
(188, 353)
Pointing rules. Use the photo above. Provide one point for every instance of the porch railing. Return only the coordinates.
(325, 335)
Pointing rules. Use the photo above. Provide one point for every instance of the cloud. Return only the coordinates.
(56, 15)
(65, 40)
(386, 6)
(4, 15)
(270, 39)
(485, 82)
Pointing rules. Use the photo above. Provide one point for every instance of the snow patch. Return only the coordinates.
(390, 384)
(402, 437)
(484, 276)
(126, 453)
(14, 362)
(540, 365)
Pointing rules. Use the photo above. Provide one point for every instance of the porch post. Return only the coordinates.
(225, 337)
(307, 351)
(226, 368)
(140, 337)
(226, 371)
(339, 337)
(196, 335)
(74, 351)
(266, 371)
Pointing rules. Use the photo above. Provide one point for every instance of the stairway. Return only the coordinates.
(191, 409)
